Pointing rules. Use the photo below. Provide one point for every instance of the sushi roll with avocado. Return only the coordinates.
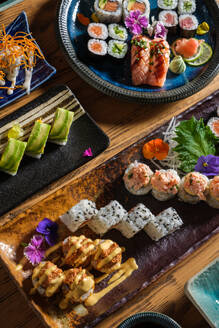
(213, 195)
(61, 126)
(165, 184)
(97, 48)
(186, 7)
(169, 18)
(108, 11)
(141, 5)
(118, 32)
(12, 156)
(37, 139)
(193, 188)
(167, 4)
(117, 49)
(188, 25)
(97, 31)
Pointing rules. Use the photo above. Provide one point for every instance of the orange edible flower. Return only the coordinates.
(83, 20)
(155, 148)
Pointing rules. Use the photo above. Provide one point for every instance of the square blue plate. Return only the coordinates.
(203, 292)
(41, 72)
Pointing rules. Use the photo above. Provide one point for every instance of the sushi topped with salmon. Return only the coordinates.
(165, 184)
(149, 61)
(213, 196)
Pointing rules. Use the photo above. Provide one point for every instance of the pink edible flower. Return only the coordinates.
(35, 251)
(88, 152)
(136, 22)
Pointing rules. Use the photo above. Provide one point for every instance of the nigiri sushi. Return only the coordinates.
(213, 195)
(165, 184)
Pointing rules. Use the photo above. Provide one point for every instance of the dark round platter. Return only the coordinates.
(110, 78)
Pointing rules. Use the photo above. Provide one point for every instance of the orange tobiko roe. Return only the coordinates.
(155, 148)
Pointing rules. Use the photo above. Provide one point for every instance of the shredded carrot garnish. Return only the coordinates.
(83, 20)
(155, 148)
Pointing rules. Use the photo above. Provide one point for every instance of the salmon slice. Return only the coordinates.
(159, 62)
(97, 30)
(140, 59)
(138, 6)
(187, 47)
(111, 6)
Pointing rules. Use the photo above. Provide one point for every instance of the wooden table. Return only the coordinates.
(124, 123)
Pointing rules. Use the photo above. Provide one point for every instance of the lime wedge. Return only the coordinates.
(204, 57)
(196, 56)
(15, 132)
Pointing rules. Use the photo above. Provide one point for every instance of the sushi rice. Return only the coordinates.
(97, 31)
(117, 32)
(97, 47)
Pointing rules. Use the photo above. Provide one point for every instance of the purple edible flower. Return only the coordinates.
(49, 229)
(208, 165)
(88, 153)
(35, 250)
(160, 31)
(135, 22)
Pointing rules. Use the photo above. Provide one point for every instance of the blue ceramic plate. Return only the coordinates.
(41, 72)
(115, 78)
(203, 291)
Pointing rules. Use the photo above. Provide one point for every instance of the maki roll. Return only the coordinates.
(117, 49)
(108, 11)
(167, 4)
(165, 184)
(12, 156)
(37, 139)
(141, 5)
(97, 31)
(97, 48)
(188, 25)
(61, 126)
(213, 124)
(186, 7)
(118, 32)
(169, 18)
(213, 195)
(193, 188)
(137, 178)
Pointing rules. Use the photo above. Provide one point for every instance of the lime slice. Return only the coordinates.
(15, 132)
(195, 57)
(205, 55)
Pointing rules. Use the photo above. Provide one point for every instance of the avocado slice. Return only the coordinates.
(38, 138)
(130, 4)
(61, 125)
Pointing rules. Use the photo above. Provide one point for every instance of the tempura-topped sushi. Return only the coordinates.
(213, 195)
(165, 184)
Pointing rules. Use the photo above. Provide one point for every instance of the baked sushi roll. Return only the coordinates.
(108, 11)
(186, 7)
(117, 49)
(37, 139)
(107, 217)
(213, 124)
(141, 5)
(77, 286)
(97, 48)
(213, 195)
(188, 25)
(163, 224)
(165, 184)
(61, 125)
(137, 178)
(12, 156)
(117, 32)
(167, 4)
(136, 220)
(169, 18)
(193, 188)
(79, 214)
(107, 257)
(47, 279)
(97, 31)
(77, 251)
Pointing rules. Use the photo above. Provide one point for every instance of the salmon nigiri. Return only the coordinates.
(140, 53)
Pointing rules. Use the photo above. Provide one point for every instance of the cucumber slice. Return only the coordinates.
(204, 57)
(61, 126)
(38, 138)
(12, 156)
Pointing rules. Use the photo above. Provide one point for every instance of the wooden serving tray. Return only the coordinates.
(102, 185)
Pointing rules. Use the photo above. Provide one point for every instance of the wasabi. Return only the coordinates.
(177, 65)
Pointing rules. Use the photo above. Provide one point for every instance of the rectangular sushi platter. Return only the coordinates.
(102, 185)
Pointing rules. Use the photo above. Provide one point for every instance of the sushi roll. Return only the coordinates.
(117, 49)
(165, 184)
(79, 214)
(213, 195)
(107, 217)
(135, 221)
(167, 4)
(107, 257)
(169, 18)
(97, 48)
(141, 5)
(137, 178)
(193, 188)
(61, 126)
(163, 224)
(37, 139)
(108, 11)
(213, 124)
(117, 32)
(186, 7)
(188, 25)
(12, 156)
(97, 31)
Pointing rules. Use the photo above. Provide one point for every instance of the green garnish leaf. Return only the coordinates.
(24, 244)
(194, 139)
